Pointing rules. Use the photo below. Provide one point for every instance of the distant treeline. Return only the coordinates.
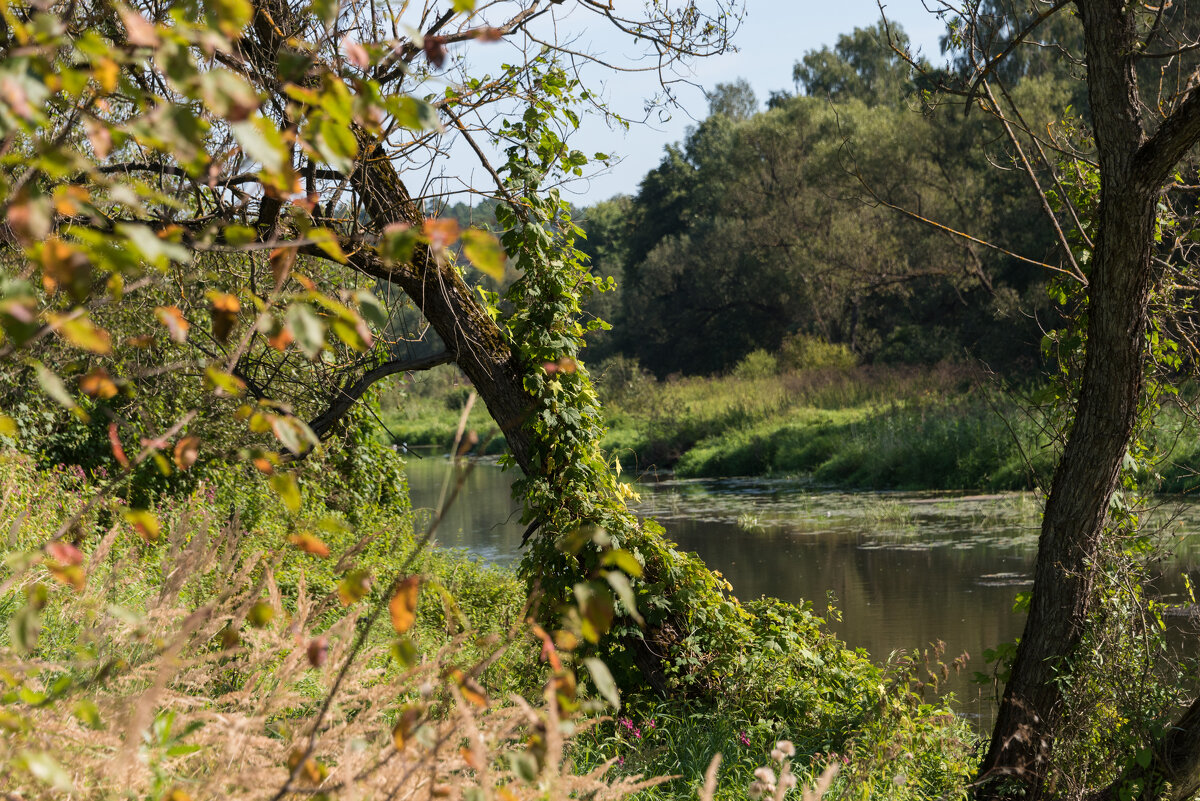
(762, 225)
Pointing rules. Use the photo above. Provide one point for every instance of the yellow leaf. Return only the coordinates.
(82, 333)
(145, 523)
(403, 606)
(485, 252)
(97, 384)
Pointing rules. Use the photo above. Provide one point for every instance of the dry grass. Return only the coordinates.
(118, 702)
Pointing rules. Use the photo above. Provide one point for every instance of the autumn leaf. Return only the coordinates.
(356, 54)
(225, 308)
(97, 383)
(138, 31)
(317, 651)
(114, 440)
(172, 318)
(403, 606)
(406, 725)
(187, 450)
(470, 689)
(64, 553)
(440, 233)
(282, 261)
(309, 543)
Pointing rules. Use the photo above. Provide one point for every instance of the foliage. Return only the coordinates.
(194, 665)
(768, 228)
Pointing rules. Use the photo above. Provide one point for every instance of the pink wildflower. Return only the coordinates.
(743, 738)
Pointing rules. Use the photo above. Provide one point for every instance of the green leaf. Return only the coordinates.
(288, 491)
(336, 144)
(624, 560)
(88, 714)
(326, 10)
(238, 235)
(604, 681)
(46, 770)
(524, 765)
(464, 6)
(261, 142)
(260, 614)
(306, 328)
(53, 386)
(620, 584)
(397, 244)
(414, 114)
(223, 381)
(485, 252)
(404, 651)
(370, 308)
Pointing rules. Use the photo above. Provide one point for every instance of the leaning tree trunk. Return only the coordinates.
(1132, 170)
(473, 338)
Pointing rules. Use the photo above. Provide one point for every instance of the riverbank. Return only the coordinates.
(866, 427)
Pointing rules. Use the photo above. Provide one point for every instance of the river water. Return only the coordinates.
(904, 569)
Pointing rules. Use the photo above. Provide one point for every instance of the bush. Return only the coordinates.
(757, 364)
(803, 352)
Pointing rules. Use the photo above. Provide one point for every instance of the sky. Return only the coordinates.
(773, 36)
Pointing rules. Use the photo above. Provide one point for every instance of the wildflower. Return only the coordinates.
(637, 733)
(743, 738)
(627, 723)
(620, 760)
(650, 723)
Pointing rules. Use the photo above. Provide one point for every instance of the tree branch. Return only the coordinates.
(349, 394)
(1162, 151)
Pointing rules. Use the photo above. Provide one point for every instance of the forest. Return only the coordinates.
(249, 306)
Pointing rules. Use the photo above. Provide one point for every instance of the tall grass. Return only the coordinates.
(876, 427)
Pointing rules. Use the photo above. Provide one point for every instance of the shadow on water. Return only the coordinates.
(904, 569)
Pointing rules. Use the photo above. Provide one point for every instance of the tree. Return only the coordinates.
(1120, 253)
(735, 100)
(275, 142)
(754, 229)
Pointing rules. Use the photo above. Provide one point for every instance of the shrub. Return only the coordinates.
(756, 364)
(803, 352)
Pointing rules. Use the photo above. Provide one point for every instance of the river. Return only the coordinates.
(904, 569)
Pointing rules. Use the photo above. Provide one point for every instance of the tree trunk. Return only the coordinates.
(1076, 509)
(478, 345)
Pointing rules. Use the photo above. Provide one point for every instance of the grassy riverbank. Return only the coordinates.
(870, 427)
(940, 428)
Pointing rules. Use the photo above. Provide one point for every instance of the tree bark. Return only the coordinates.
(479, 346)
(1083, 484)
(1132, 171)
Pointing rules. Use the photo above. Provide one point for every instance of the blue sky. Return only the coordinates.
(773, 36)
